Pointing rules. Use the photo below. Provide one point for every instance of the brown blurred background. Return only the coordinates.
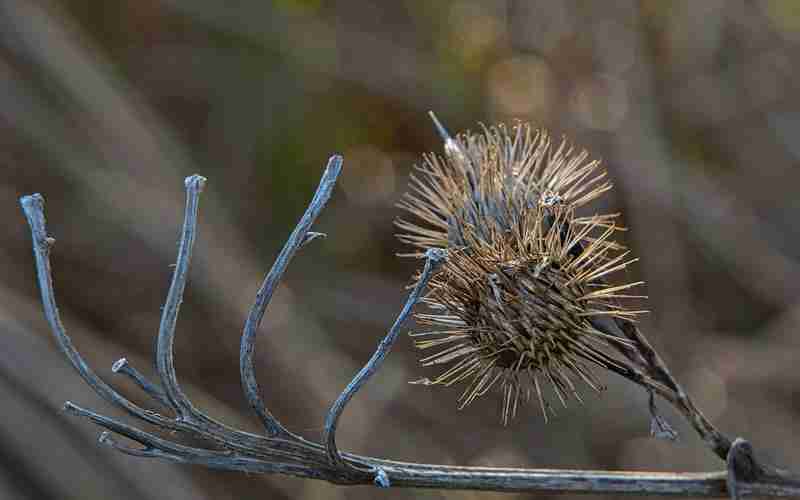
(105, 106)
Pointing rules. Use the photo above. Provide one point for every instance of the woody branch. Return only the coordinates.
(283, 452)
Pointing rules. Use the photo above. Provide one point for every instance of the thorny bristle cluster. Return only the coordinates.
(518, 301)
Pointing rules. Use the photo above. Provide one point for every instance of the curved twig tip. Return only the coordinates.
(119, 365)
(31, 199)
(165, 362)
(336, 160)
(332, 171)
(195, 181)
(105, 438)
(381, 478)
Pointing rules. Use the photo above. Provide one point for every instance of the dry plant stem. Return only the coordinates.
(200, 425)
(184, 410)
(124, 367)
(298, 238)
(283, 452)
(33, 206)
(657, 369)
(433, 257)
(169, 316)
(653, 374)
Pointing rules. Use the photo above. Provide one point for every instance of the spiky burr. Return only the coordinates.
(514, 305)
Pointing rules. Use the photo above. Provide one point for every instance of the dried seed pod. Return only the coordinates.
(514, 305)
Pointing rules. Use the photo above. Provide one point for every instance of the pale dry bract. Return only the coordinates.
(512, 306)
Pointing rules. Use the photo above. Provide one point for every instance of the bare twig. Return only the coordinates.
(433, 257)
(283, 452)
(298, 238)
(125, 368)
(33, 206)
(657, 369)
(169, 316)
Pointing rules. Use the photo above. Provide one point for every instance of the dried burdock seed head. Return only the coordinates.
(487, 180)
(525, 280)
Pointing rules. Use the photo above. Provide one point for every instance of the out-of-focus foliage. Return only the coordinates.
(106, 105)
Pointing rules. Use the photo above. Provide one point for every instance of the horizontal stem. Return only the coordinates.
(577, 481)
(418, 475)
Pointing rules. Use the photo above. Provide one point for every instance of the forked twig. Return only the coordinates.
(123, 366)
(299, 237)
(283, 452)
